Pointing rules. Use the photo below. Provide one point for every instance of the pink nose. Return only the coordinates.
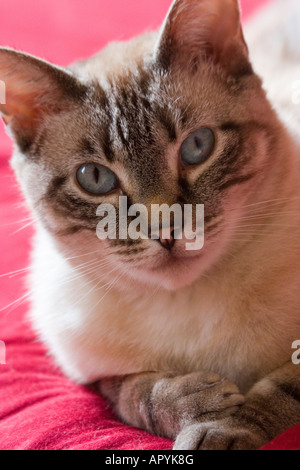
(167, 243)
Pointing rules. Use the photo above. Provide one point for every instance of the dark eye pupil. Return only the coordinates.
(96, 175)
(197, 147)
(198, 142)
(96, 179)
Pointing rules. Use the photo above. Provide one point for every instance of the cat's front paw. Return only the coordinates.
(196, 397)
(164, 403)
(226, 434)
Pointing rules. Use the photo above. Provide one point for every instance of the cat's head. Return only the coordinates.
(175, 117)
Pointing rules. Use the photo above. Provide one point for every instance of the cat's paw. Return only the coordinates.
(226, 434)
(164, 403)
(196, 397)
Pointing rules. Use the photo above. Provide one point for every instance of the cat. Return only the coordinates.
(193, 346)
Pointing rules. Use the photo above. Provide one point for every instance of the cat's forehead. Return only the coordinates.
(135, 122)
(137, 104)
(138, 113)
(130, 91)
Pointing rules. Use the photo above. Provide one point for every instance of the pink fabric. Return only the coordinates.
(39, 408)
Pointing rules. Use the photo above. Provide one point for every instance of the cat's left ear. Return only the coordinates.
(32, 89)
(197, 31)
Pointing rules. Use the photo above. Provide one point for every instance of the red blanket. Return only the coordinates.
(39, 408)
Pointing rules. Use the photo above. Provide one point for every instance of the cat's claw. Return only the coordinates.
(226, 434)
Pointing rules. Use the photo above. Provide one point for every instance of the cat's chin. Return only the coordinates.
(176, 273)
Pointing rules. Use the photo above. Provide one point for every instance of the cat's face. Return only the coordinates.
(185, 120)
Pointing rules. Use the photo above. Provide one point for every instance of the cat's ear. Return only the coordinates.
(31, 89)
(203, 30)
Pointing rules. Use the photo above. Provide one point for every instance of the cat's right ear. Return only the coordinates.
(197, 31)
(30, 90)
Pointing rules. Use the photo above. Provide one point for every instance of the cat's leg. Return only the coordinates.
(165, 403)
(271, 407)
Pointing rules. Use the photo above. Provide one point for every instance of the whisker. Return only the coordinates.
(17, 222)
(15, 273)
(268, 225)
(95, 286)
(16, 303)
(112, 284)
(22, 228)
(84, 273)
(267, 214)
(258, 205)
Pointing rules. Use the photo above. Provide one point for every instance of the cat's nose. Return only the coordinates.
(165, 242)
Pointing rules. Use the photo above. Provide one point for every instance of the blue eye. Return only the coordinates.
(198, 147)
(96, 179)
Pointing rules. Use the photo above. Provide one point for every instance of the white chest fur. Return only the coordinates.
(93, 332)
